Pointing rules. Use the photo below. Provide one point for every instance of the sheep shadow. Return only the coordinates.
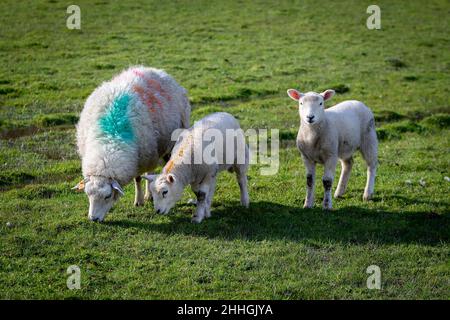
(273, 221)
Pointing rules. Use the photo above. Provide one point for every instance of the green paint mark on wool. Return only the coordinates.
(115, 123)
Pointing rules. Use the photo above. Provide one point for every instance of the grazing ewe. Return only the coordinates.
(124, 129)
(197, 163)
(335, 133)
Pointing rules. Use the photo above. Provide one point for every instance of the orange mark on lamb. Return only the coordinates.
(168, 166)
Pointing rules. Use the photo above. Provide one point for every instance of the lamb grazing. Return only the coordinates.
(335, 133)
(123, 131)
(197, 163)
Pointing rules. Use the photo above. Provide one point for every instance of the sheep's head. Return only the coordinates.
(102, 193)
(166, 191)
(311, 104)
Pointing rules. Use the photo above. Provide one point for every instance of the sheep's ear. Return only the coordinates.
(170, 178)
(294, 94)
(149, 177)
(80, 185)
(115, 185)
(327, 94)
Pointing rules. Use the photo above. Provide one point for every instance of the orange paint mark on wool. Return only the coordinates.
(168, 166)
(153, 86)
(157, 86)
(146, 97)
(171, 163)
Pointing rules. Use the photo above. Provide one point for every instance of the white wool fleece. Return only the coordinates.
(126, 123)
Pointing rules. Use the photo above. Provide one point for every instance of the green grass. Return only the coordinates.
(240, 57)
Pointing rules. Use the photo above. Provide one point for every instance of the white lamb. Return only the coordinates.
(335, 133)
(197, 162)
(124, 129)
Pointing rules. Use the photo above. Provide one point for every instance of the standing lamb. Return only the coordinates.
(335, 133)
(124, 129)
(197, 163)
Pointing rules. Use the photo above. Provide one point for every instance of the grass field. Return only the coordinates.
(237, 56)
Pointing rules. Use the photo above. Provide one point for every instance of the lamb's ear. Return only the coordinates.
(170, 178)
(294, 94)
(80, 185)
(149, 177)
(327, 94)
(116, 185)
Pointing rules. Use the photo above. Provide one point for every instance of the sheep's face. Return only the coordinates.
(102, 193)
(166, 191)
(311, 105)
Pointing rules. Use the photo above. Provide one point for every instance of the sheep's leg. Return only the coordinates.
(370, 184)
(209, 198)
(139, 194)
(345, 175)
(369, 151)
(202, 204)
(310, 183)
(148, 193)
(327, 179)
(241, 177)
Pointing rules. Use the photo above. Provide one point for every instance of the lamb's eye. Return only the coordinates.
(321, 103)
(106, 198)
(301, 103)
(164, 193)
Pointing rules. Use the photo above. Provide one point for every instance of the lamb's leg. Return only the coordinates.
(139, 195)
(209, 198)
(369, 151)
(370, 185)
(241, 176)
(202, 204)
(327, 179)
(345, 175)
(310, 183)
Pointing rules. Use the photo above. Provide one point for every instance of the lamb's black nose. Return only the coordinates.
(158, 211)
(310, 118)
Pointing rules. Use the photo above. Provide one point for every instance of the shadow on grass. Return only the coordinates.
(272, 221)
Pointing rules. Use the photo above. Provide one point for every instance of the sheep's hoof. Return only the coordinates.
(196, 219)
(148, 197)
(192, 201)
(308, 206)
(367, 197)
(327, 205)
(328, 208)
